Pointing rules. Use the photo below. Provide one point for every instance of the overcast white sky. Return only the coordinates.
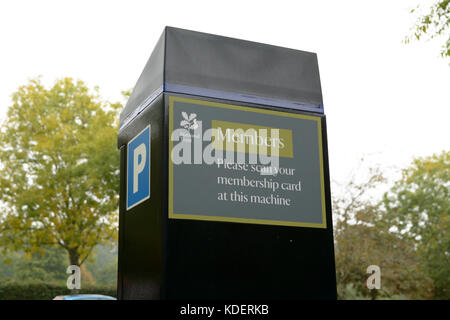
(384, 100)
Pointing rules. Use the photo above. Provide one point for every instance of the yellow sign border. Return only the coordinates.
(173, 215)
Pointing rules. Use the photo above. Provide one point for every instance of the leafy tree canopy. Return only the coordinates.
(418, 208)
(362, 239)
(60, 170)
(434, 23)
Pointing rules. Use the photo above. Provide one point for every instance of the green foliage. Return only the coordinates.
(49, 267)
(434, 23)
(406, 234)
(99, 269)
(362, 241)
(351, 293)
(360, 246)
(60, 173)
(103, 265)
(47, 291)
(419, 211)
(7, 266)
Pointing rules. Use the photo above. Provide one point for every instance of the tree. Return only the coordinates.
(60, 170)
(418, 208)
(434, 23)
(361, 245)
(363, 240)
(103, 265)
(48, 268)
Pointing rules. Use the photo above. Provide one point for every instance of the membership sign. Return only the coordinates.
(241, 164)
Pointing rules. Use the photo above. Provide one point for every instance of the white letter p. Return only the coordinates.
(138, 165)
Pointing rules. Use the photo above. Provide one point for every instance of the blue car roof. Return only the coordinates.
(86, 297)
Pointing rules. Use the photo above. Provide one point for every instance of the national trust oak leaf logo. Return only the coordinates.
(189, 122)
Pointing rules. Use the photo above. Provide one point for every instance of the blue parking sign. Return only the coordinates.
(138, 168)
